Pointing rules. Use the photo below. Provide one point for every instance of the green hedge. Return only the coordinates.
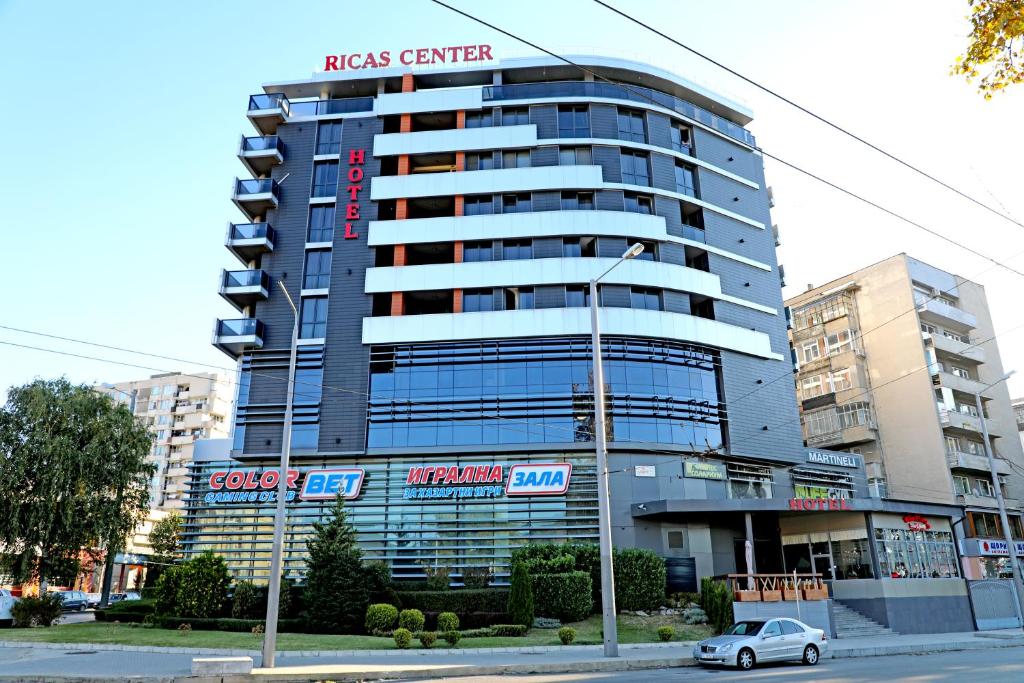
(237, 625)
(566, 597)
(127, 611)
(639, 580)
(716, 600)
(458, 601)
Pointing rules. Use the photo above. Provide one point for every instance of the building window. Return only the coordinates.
(477, 251)
(685, 180)
(929, 329)
(573, 247)
(518, 298)
(574, 121)
(577, 296)
(650, 252)
(854, 414)
(961, 485)
(516, 203)
(906, 554)
(308, 385)
(517, 158)
(515, 116)
(959, 371)
(645, 298)
(325, 179)
(305, 436)
(839, 342)
(313, 318)
(478, 206)
(810, 351)
(749, 481)
(985, 488)
(575, 156)
(811, 387)
(480, 119)
(321, 224)
(841, 380)
(318, 269)
(631, 125)
(479, 161)
(638, 203)
(577, 201)
(474, 300)
(835, 306)
(962, 338)
(680, 136)
(328, 138)
(513, 250)
(634, 168)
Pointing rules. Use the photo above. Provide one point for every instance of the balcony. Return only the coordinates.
(182, 440)
(249, 240)
(973, 500)
(970, 461)
(267, 112)
(235, 336)
(957, 421)
(344, 105)
(964, 385)
(944, 315)
(849, 436)
(634, 93)
(255, 197)
(962, 350)
(243, 288)
(260, 154)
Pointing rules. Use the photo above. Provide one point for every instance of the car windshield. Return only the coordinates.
(744, 628)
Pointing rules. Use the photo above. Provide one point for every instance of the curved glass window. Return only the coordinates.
(539, 391)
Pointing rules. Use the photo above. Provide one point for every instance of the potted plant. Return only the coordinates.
(815, 590)
(790, 590)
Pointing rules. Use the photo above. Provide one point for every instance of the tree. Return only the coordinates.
(997, 44)
(165, 539)
(520, 596)
(336, 580)
(73, 477)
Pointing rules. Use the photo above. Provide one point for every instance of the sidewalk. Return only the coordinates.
(82, 663)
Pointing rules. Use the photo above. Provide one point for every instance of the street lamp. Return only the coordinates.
(1007, 533)
(277, 555)
(611, 638)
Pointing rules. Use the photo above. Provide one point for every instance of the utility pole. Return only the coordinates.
(108, 567)
(277, 555)
(611, 634)
(1011, 548)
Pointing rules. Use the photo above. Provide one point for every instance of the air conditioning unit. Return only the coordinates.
(775, 233)
(771, 197)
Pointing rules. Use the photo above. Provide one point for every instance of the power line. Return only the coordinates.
(818, 117)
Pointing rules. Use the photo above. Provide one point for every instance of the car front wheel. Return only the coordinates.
(745, 659)
(810, 655)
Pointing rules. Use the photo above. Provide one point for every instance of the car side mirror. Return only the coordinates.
(763, 636)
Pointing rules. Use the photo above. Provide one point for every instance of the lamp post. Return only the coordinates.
(611, 637)
(1018, 584)
(277, 555)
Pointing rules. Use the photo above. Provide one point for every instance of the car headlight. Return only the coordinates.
(724, 648)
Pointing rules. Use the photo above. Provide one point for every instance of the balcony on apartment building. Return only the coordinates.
(256, 196)
(261, 153)
(973, 500)
(959, 460)
(938, 312)
(235, 336)
(966, 351)
(243, 288)
(959, 420)
(249, 240)
(958, 382)
(267, 111)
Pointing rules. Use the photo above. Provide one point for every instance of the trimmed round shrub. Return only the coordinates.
(402, 638)
(427, 639)
(447, 621)
(567, 634)
(452, 638)
(508, 630)
(381, 618)
(566, 596)
(411, 619)
(665, 633)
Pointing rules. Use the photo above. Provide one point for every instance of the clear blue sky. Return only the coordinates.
(121, 121)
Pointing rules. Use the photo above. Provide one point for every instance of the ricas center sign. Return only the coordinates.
(420, 56)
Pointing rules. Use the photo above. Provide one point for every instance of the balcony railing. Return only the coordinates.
(632, 93)
(261, 143)
(255, 186)
(345, 105)
(249, 240)
(245, 278)
(241, 327)
(266, 101)
(251, 231)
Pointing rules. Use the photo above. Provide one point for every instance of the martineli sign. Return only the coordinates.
(833, 458)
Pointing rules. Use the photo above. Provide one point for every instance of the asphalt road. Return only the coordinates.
(992, 666)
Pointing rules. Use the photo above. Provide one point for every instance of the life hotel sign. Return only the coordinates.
(420, 56)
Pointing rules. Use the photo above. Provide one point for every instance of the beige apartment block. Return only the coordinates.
(179, 409)
(889, 359)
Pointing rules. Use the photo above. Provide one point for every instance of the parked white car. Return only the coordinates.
(7, 600)
(746, 643)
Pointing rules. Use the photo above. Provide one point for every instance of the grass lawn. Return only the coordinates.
(631, 630)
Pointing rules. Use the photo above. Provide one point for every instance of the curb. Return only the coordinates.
(392, 652)
(922, 649)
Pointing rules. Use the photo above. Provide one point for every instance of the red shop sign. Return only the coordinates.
(916, 523)
(811, 504)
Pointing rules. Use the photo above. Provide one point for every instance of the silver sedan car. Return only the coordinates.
(746, 643)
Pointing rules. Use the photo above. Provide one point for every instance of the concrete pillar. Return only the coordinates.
(749, 522)
(869, 524)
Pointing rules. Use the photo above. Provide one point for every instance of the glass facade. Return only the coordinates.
(406, 533)
(539, 391)
(907, 554)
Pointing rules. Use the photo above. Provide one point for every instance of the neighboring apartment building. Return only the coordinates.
(1018, 415)
(889, 359)
(178, 409)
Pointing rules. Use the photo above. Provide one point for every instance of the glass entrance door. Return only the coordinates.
(821, 554)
